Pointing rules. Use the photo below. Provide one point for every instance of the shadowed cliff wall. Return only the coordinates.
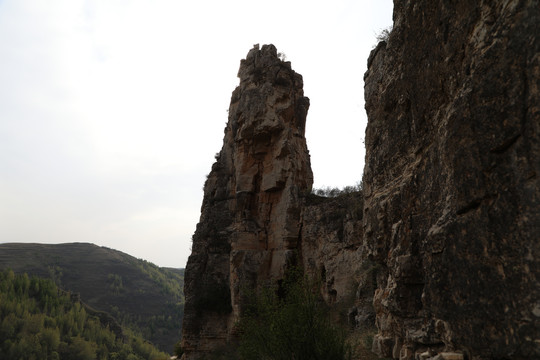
(452, 179)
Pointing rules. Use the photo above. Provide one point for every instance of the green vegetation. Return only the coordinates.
(291, 322)
(39, 321)
(141, 296)
(335, 192)
(115, 283)
(169, 281)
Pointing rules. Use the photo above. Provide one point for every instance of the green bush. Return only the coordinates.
(290, 322)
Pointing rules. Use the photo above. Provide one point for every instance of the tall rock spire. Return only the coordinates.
(250, 218)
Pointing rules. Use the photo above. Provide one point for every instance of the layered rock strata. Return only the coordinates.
(452, 179)
(250, 218)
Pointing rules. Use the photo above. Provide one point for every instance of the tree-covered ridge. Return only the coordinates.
(40, 321)
(140, 295)
(170, 282)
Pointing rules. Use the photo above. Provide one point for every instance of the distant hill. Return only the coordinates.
(139, 294)
(41, 322)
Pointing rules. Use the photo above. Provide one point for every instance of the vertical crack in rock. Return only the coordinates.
(250, 216)
(451, 181)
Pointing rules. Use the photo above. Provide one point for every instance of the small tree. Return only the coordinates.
(290, 322)
(384, 34)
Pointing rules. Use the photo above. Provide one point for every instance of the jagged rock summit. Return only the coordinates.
(250, 217)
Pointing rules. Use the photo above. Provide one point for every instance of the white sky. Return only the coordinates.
(111, 111)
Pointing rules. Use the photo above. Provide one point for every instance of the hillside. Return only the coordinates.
(137, 293)
(39, 321)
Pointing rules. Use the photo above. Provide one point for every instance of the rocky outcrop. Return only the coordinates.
(332, 251)
(452, 179)
(249, 228)
(441, 250)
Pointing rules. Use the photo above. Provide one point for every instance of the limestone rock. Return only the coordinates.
(452, 178)
(250, 218)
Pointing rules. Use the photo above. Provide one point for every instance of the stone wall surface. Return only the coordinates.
(452, 179)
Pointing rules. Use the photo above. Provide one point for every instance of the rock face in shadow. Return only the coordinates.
(250, 219)
(452, 179)
(333, 252)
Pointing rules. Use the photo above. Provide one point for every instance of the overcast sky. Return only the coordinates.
(111, 111)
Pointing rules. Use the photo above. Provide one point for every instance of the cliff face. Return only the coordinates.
(452, 179)
(332, 250)
(250, 219)
(441, 250)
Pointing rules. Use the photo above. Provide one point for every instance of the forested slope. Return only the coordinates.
(138, 294)
(40, 321)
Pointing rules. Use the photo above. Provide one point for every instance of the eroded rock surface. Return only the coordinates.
(332, 251)
(452, 179)
(250, 218)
